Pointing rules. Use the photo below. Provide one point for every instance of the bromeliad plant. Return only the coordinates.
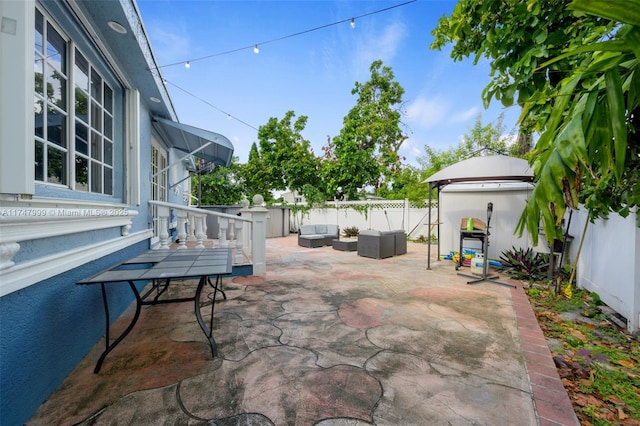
(351, 231)
(526, 264)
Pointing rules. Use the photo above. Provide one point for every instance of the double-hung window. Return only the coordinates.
(74, 115)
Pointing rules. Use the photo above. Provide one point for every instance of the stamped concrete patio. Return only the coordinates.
(327, 338)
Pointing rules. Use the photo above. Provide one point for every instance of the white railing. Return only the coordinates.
(245, 234)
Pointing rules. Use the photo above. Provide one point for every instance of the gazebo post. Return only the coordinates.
(429, 234)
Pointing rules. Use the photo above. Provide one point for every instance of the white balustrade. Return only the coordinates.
(245, 233)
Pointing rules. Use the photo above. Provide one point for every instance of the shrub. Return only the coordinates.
(351, 231)
(525, 264)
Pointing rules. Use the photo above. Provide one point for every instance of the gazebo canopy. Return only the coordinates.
(478, 169)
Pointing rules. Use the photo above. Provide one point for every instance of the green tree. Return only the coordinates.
(221, 186)
(287, 156)
(481, 140)
(254, 176)
(365, 153)
(407, 183)
(571, 67)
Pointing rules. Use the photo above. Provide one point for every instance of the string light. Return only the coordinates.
(187, 65)
(229, 116)
(352, 23)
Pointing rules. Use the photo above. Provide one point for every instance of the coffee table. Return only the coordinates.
(345, 245)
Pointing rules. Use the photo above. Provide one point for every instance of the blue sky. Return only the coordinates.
(312, 73)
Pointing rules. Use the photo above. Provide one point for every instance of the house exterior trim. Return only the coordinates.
(28, 273)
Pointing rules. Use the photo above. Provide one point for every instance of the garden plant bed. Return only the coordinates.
(597, 360)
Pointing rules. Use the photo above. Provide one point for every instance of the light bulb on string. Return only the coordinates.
(255, 49)
(187, 65)
(353, 23)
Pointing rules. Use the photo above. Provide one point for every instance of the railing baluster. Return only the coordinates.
(231, 234)
(182, 228)
(199, 231)
(223, 224)
(239, 254)
(191, 228)
(163, 216)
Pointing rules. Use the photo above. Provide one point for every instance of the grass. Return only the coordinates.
(599, 362)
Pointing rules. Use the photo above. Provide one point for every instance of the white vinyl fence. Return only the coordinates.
(609, 262)
(381, 215)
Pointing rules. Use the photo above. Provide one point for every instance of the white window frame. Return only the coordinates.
(159, 182)
(99, 123)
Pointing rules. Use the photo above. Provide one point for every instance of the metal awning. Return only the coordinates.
(207, 145)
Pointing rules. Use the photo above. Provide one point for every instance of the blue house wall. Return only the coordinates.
(47, 322)
(47, 327)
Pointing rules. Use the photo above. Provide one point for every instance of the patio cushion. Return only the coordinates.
(321, 229)
(307, 229)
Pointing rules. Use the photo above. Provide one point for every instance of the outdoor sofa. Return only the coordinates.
(317, 235)
(381, 244)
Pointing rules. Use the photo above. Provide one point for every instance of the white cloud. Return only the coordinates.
(383, 45)
(464, 116)
(425, 112)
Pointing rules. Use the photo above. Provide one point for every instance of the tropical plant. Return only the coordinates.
(521, 264)
(351, 231)
(589, 151)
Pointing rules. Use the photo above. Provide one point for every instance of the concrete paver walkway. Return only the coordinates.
(327, 338)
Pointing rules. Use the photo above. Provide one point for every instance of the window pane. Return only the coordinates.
(108, 126)
(108, 180)
(39, 161)
(108, 153)
(38, 45)
(96, 177)
(96, 117)
(56, 54)
(38, 74)
(81, 72)
(96, 85)
(82, 174)
(57, 89)
(38, 116)
(56, 127)
(56, 166)
(108, 99)
(82, 138)
(96, 146)
(82, 105)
